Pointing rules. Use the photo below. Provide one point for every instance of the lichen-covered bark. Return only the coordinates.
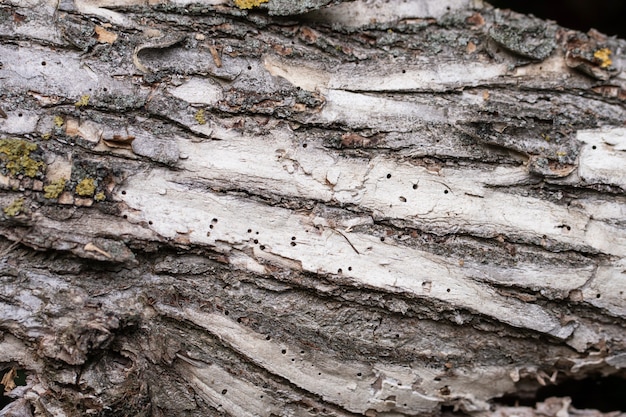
(306, 208)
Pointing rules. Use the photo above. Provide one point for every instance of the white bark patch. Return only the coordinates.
(355, 386)
(429, 76)
(378, 76)
(307, 78)
(228, 393)
(447, 201)
(209, 219)
(608, 289)
(363, 12)
(603, 156)
(198, 91)
(19, 122)
(363, 111)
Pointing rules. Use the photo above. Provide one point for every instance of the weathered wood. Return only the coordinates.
(306, 208)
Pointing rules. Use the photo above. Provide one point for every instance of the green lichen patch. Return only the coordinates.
(82, 101)
(15, 154)
(15, 208)
(249, 4)
(86, 187)
(200, 117)
(54, 189)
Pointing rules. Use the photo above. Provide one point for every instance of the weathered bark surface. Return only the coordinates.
(360, 208)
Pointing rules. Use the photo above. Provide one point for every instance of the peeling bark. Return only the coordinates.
(306, 208)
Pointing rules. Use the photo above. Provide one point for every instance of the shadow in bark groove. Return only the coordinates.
(605, 394)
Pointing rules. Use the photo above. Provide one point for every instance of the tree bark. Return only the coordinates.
(315, 208)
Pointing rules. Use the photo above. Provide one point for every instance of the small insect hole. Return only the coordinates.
(594, 147)
(339, 271)
(268, 337)
(284, 351)
(403, 199)
(382, 238)
(304, 145)
(262, 247)
(19, 115)
(293, 243)
(125, 216)
(249, 67)
(349, 268)
(149, 221)
(415, 186)
(598, 295)
(445, 191)
(256, 241)
(226, 312)
(224, 391)
(123, 192)
(214, 220)
(43, 63)
(447, 289)
(293, 238)
(388, 176)
(359, 374)
(210, 226)
(249, 230)
(404, 71)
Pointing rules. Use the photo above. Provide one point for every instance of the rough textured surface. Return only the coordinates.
(314, 208)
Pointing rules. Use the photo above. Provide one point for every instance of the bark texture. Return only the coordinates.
(315, 208)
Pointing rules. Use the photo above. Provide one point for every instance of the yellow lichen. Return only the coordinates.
(86, 187)
(55, 188)
(82, 101)
(15, 153)
(603, 55)
(58, 120)
(46, 136)
(15, 208)
(249, 4)
(199, 116)
(100, 196)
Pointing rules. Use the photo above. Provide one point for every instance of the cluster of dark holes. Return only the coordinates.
(402, 198)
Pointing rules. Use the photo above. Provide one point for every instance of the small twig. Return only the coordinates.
(15, 244)
(347, 240)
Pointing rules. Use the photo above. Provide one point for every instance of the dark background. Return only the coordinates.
(607, 16)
